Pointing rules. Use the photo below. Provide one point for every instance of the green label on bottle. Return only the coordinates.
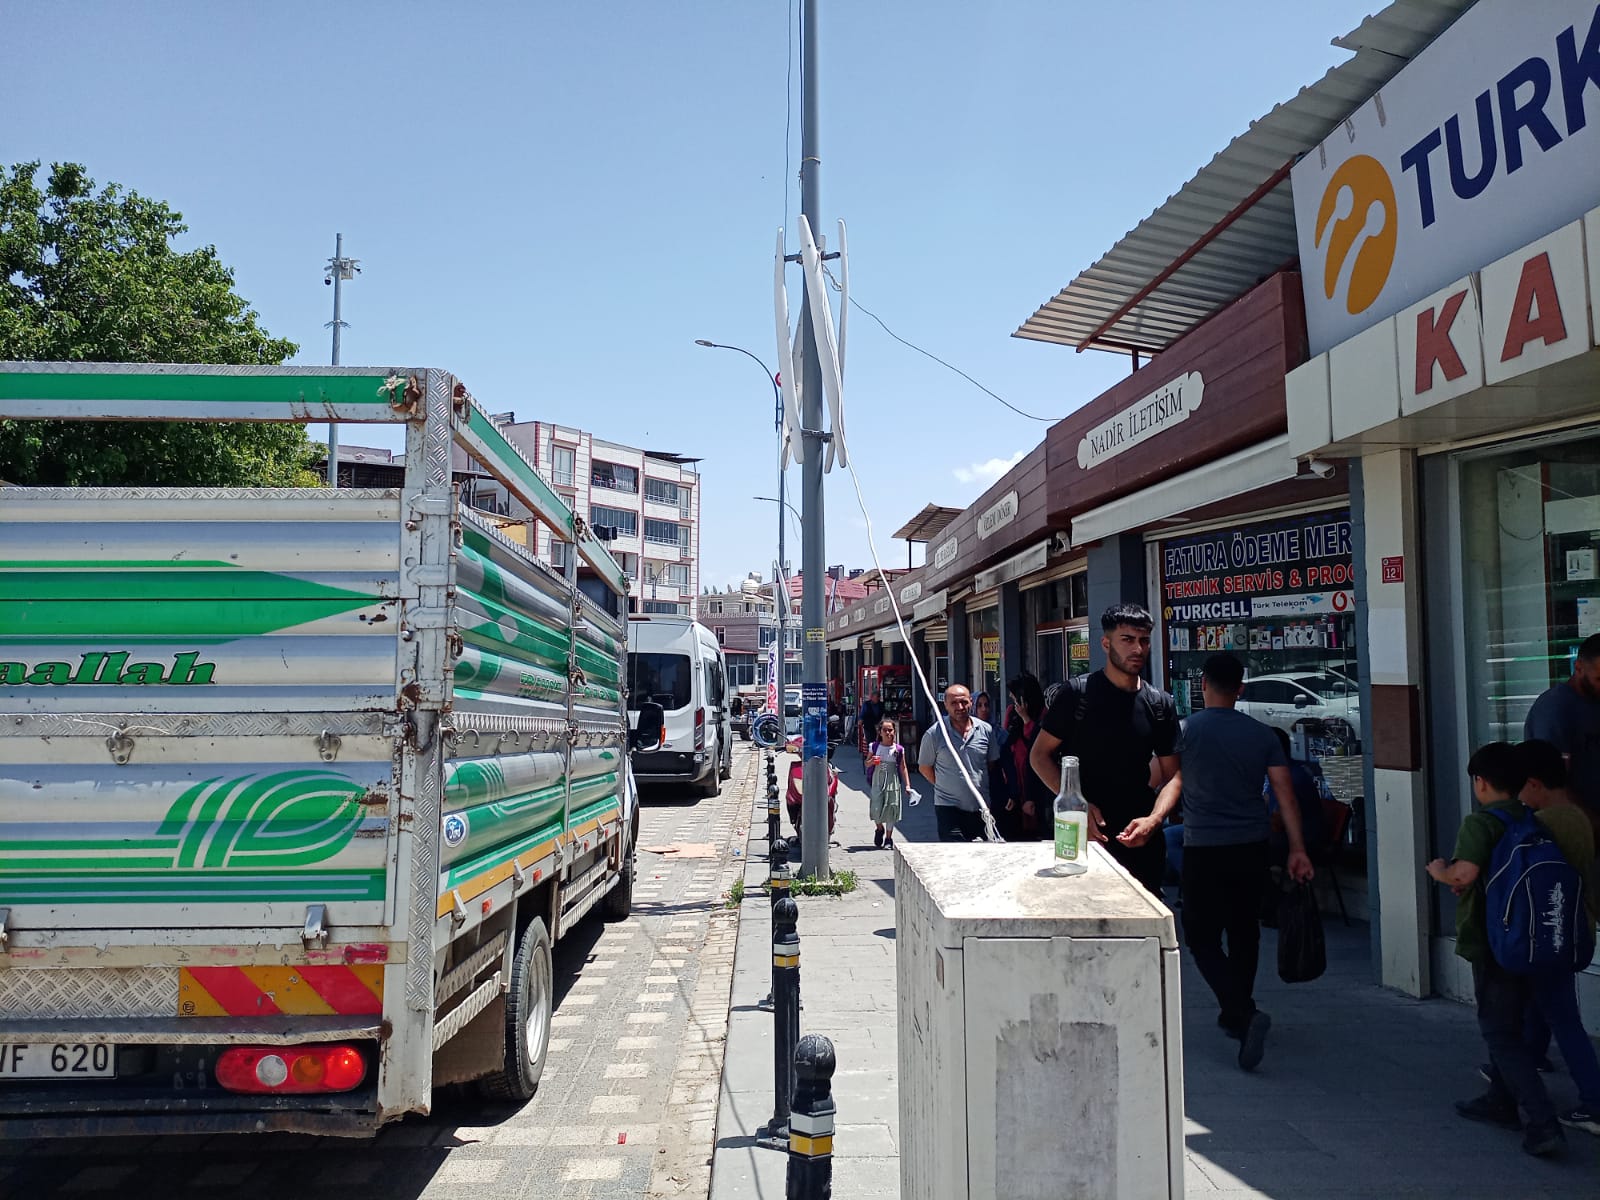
(1069, 838)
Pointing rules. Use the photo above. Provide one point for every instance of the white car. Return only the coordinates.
(1291, 700)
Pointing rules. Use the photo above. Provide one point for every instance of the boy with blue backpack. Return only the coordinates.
(1522, 923)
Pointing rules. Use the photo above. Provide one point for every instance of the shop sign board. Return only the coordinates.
(1285, 568)
(1523, 312)
(1169, 405)
(990, 647)
(945, 554)
(998, 515)
(881, 605)
(1488, 139)
(910, 592)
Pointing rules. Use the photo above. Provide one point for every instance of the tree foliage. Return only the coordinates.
(92, 275)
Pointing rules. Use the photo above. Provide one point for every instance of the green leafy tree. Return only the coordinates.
(92, 276)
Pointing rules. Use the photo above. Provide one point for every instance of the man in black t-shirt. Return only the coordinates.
(1115, 722)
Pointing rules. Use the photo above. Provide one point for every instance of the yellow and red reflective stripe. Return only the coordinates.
(269, 991)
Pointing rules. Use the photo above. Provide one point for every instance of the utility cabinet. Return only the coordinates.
(1041, 1053)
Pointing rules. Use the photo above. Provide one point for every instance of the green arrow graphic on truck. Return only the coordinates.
(213, 843)
(126, 603)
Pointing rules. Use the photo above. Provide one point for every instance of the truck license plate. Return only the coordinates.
(73, 1060)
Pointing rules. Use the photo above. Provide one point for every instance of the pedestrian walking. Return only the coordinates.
(1555, 995)
(867, 725)
(1503, 997)
(888, 780)
(954, 756)
(1029, 801)
(1114, 722)
(1568, 716)
(1223, 754)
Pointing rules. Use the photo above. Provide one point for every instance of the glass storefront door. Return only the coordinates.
(1530, 559)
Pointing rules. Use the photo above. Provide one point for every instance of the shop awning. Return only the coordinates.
(1245, 470)
(927, 524)
(1233, 223)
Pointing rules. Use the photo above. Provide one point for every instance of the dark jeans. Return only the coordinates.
(957, 824)
(1554, 1010)
(1222, 895)
(1503, 1003)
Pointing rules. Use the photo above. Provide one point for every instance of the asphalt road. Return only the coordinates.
(628, 1099)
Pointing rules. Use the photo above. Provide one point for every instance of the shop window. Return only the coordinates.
(1530, 555)
(1280, 596)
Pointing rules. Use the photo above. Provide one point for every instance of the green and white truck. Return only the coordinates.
(297, 786)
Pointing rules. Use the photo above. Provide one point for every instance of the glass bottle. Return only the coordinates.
(1072, 822)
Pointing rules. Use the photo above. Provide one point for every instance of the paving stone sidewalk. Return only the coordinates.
(1353, 1100)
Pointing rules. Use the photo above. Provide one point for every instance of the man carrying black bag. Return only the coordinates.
(1223, 755)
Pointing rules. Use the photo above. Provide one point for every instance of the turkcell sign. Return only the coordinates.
(1486, 141)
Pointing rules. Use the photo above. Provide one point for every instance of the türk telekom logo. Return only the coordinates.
(1357, 231)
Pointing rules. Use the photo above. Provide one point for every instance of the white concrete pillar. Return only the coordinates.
(1392, 612)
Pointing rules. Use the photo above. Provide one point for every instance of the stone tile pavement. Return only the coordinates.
(1353, 1099)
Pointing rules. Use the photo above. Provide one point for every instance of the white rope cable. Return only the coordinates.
(933, 701)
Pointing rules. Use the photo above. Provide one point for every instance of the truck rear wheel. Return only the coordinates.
(527, 1018)
(617, 904)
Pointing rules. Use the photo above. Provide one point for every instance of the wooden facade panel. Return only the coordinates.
(1242, 353)
(1029, 479)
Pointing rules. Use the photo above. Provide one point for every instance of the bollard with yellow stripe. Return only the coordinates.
(811, 1113)
(785, 1018)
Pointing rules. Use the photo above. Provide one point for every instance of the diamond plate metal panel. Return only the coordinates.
(95, 992)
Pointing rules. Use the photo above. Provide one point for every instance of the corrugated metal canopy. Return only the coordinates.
(927, 524)
(1261, 240)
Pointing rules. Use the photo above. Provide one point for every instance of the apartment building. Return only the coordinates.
(648, 499)
(745, 622)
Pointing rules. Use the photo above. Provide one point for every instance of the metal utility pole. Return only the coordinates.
(339, 269)
(813, 669)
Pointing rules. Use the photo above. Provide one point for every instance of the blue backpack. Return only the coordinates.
(1534, 902)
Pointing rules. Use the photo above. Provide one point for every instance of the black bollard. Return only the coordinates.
(779, 876)
(785, 1019)
(811, 1121)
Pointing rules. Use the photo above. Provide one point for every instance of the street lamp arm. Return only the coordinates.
(777, 391)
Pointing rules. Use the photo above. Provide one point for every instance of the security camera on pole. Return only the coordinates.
(803, 436)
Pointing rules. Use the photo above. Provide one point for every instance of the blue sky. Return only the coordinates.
(554, 200)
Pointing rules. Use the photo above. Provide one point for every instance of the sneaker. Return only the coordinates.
(877, 838)
(1254, 1042)
(1545, 1140)
(888, 842)
(1585, 1117)
(1490, 1110)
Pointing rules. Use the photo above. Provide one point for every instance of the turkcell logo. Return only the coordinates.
(109, 667)
(1357, 229)
(1487, 141)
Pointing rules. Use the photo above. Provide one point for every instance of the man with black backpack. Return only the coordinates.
(1114, 723)
(1506, 863)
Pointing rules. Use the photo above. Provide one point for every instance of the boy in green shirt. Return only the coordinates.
(1504, 999)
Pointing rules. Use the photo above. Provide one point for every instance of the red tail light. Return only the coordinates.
(699, 729)
(280, 1070)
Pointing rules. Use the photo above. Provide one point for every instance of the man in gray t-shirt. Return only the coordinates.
(1222, 756)
(955, 805)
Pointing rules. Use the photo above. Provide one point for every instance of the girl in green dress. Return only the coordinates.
(887, 781)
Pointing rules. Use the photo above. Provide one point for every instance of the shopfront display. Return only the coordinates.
(1280, 595)
(1530, 541)
(985, 630)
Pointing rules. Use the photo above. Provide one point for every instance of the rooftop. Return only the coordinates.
(927, 524)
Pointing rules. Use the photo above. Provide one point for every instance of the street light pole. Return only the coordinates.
(813, 669)
(779, 603)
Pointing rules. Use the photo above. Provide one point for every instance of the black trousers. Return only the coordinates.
(1504, 1000)
(1222, 896)
(958, 825)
